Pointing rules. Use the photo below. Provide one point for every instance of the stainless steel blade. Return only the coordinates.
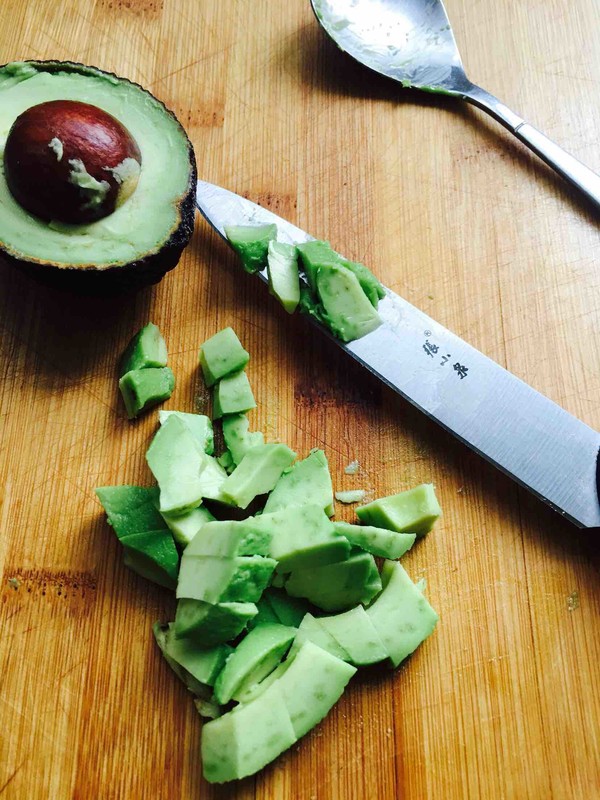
(517, 429)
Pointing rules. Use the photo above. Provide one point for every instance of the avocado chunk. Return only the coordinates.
(244, 740)
(215, 579)
(288, 610)
(257, 473)
(211, 624)
(348, 311)
(185, 526)
(229, 538)
(251, 242)
(196, 667)
(176, 460)
(378, 541)
(336, 587)
(257, 655)
(144, 236)
(356, 634)
(237, 437)
(312, 630)
(146, 349)
(311, 685)
(131, 509)
(414, 511)
(307, 483)
(350, 496)
(282, 271)
(233, 395)
(153, 555)
(144, 388)
(401, 614)
(300, 537)
(221, 355)
(316, 253)
(199, 424)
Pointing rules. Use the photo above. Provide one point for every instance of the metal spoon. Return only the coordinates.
(412, 42)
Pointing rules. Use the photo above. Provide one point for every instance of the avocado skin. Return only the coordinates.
(87, 279)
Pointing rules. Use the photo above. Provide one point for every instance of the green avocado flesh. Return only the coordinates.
(276, 605)
(307, 483)
(282, 271)
(247, 738)
(378, 541)
(233, 395)
(414, 511)
(401, 614)
(251, 242)
(146, 349)
(254, 658)
(144, 388)
(197, 668)
(199, 424)
(221, 355)
(338, 586)
(143, 224)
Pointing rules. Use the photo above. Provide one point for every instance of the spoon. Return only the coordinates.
(412, 42)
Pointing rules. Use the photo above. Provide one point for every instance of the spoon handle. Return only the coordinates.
(564, 163)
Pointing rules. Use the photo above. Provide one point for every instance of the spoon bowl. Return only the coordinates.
(411, 41)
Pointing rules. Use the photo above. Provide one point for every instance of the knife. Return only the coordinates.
(523, 433)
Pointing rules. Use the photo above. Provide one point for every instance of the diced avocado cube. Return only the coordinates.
(212, 478)
(336, 587)
(233, 395)
(313, 255)
(185, 526)
(300, 537)
(349, 312)
(311, 630)
(176, 460)
(414, 511)
(251, 242)
(229, 538)
(197, 667)
(226, 461)
(146, 349)
(350, 496)
(199, 424)
(282, 270)
(152, 555)
(217, 579)
(288, 610)
(257, 473)
(265, 614)
(131, 509)
(243, 741)
(369, 283)
(210, 624)
(378, 541)
(356, 634)
(144, 388)
(401, 614)
(221, 355)
(259, 652)
(311, 685)
(237, 437)
(308, 482)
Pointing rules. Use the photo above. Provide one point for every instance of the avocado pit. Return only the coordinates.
(70, 161)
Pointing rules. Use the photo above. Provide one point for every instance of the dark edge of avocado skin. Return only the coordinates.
(136, 274)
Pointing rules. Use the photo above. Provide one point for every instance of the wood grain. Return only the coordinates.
(452, 213)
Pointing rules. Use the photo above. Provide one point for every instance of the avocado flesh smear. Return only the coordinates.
(145, 222)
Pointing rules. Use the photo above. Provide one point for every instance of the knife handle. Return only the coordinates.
(567, 166)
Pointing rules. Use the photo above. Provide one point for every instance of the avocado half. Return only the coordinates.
(143, 238)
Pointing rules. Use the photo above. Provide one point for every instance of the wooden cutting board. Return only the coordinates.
(448, 210)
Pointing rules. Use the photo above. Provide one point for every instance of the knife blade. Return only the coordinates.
(520, 431)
